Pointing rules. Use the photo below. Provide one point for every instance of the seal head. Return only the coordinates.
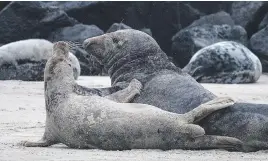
(128, 49)
(61, 48)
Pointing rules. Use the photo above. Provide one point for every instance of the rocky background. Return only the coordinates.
(180, 28)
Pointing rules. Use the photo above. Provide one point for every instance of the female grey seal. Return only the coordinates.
(92, 121)
(129, 54)
(26, 60)
(224, 62)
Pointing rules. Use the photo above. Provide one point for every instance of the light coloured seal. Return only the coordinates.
(99, 122)
(26, 59)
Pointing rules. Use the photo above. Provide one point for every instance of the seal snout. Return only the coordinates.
(86, 43)
(61, 48)
(61, 44)
(97, 40)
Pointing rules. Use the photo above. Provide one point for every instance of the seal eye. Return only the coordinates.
(115, 40)
(69, 64)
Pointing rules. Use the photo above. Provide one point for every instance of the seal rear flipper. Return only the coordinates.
(207, 108)
(214, 142)
(255, 145)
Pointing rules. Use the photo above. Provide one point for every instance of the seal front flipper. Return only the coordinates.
(85, 91)
(40, 143)
(48, 139)
(207, 108)
(126, 95)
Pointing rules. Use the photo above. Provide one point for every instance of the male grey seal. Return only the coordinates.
(92, 121)
(129, 54)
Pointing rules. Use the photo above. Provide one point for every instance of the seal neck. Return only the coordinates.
(57, 91)
(140, 64)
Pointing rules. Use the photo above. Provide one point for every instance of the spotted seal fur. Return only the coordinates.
(224, 62)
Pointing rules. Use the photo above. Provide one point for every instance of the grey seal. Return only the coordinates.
(130, 54)
(110, 123)
(26, 59)
(224, 62)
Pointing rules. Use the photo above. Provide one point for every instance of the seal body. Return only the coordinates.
(26, 60)
(96, 122)
(224, 62)
(91, 121)
(129, 54)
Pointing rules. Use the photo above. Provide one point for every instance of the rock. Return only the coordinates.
(264, 63)
(164, 19)
(147, 31)
(249, 14)
(117, 26)
(102, 14)
(224, 62)
(89, 64)
(219, 18)
(105, 14)
(167, 18)
(243, 11)
(26, 59)
(264, 22)
(3, 4)
(69, 6)
(54, 20)
(258, 44)
(77, 34)
(188, 41)
(121, 26)
(137, 15)
(23, 20)
(209, 7)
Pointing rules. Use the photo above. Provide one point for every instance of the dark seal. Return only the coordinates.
(130, 54)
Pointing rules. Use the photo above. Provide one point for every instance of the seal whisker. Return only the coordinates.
(74, 44)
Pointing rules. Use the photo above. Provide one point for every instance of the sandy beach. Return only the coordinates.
(22, 117)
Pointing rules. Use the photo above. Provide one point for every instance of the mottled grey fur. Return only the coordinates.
(92, 121)
(224, 62)
(130, 54)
